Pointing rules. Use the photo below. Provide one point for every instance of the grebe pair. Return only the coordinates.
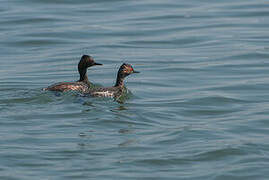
(83, 85)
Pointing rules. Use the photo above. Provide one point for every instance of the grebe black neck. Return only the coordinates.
(124, 71)
(118, 90)
(83, 84)
(85, 62)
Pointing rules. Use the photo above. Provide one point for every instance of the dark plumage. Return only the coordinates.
(118, 89)
(83, 84)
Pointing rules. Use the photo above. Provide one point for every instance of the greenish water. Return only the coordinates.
(199, 109)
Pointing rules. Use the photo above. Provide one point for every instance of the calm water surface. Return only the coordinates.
(199, 109)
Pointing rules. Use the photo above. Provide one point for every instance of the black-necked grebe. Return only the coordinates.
(83, 84)
(118, 89)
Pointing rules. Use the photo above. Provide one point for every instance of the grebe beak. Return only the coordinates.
(136, 72)
(97, 64)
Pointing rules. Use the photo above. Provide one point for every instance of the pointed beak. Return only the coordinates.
(97, 64)
(136, 72)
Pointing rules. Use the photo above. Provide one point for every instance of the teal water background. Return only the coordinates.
(199, 109)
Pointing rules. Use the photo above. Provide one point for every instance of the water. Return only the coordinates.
(198, 110)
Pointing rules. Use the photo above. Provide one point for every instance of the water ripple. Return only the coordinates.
(198, 109)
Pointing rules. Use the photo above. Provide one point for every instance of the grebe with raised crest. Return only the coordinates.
(118, 89)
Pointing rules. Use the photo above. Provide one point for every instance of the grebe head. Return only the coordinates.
(126, 69)
(87, 61)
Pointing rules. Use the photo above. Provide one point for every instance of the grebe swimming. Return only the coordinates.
(118, 89)
(83, 84)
